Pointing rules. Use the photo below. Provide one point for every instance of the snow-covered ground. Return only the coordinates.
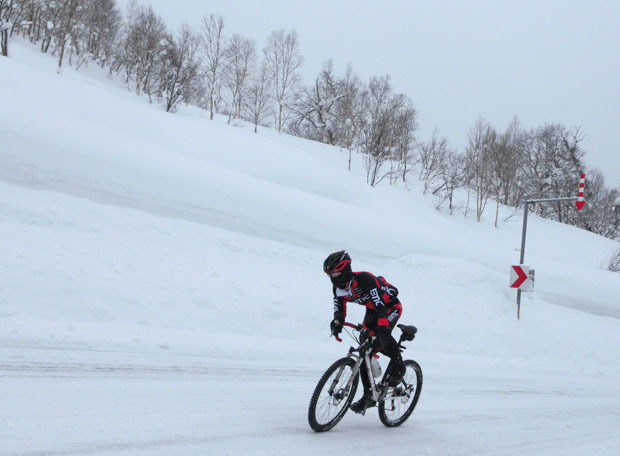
(161, 291)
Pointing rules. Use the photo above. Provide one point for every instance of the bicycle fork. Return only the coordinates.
(377, 394)
(347, 388)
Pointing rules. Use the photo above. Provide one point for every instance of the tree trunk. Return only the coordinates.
(280, 108)
(467, 205)
(349, 158)
(496, 211)
(450, 199)
(211, 103)
(62, 54)
(4, 39)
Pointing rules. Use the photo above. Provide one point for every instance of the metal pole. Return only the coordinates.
(525, 211)
(552, 200)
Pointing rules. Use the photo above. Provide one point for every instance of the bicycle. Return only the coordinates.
(336, 389)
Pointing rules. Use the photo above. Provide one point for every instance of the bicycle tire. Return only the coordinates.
(393, 404)
(316, 420)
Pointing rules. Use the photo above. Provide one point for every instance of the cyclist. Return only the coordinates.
(383, 309)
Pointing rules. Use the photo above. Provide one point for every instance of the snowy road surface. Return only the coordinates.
(83, 402)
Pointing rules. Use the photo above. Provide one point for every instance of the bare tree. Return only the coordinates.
(481, 140)
(102, 22)
(241, 63)
(552, 160)
(4, 37)
(431, 158)
(349, 111)
(505, 156)
(142, 49)
(122, 59)
(50, 20)
(258, 98)
(315, 107)
(15, 16)
(212, 41)
(406, 124)
(513, 142)
(33, 14)
(180, 68)
(67, 27)
(378, 134)
(5, 25)
(282, 61)
(571, 164)
(452, 176)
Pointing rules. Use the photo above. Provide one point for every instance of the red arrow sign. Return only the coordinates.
(521, 277)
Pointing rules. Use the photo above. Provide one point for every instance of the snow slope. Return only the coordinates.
(161, 291)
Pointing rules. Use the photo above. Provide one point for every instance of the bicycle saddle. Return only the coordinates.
(409, 332)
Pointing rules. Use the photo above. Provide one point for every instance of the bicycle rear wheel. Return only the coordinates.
(401, 400)
(332, 395)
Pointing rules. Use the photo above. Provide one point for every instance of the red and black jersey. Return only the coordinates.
(370, 291)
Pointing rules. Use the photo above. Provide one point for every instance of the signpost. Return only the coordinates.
(580, 202)
(518, 276)
(522, 277)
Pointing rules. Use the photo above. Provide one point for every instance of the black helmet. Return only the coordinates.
(338, 267)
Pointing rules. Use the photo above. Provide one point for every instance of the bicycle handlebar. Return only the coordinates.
(357, 327)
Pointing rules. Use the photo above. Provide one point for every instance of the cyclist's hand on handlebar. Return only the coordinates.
(336, 327)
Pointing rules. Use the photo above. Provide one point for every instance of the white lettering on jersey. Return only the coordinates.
(389, 290)
(374, 294)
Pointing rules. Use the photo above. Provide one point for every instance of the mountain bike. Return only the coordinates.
(336, 388)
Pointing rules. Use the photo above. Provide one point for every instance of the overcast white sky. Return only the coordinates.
(543, 61)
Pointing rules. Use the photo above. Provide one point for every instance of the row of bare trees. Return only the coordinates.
(503, 167)
(226, 74)
(517, 164)
(79, 30)
(368, 117)
(206, 67)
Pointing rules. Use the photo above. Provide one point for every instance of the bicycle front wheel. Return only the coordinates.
(333, 395)
(401, 400)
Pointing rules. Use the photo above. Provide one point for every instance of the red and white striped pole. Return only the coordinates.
(580, 199)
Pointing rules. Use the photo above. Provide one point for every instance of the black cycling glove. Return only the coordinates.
(336, 327)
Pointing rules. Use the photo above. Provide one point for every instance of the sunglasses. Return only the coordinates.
(334, 274)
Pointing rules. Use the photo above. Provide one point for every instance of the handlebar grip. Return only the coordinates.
(351, 325)
(336, 336)
(357, 327)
